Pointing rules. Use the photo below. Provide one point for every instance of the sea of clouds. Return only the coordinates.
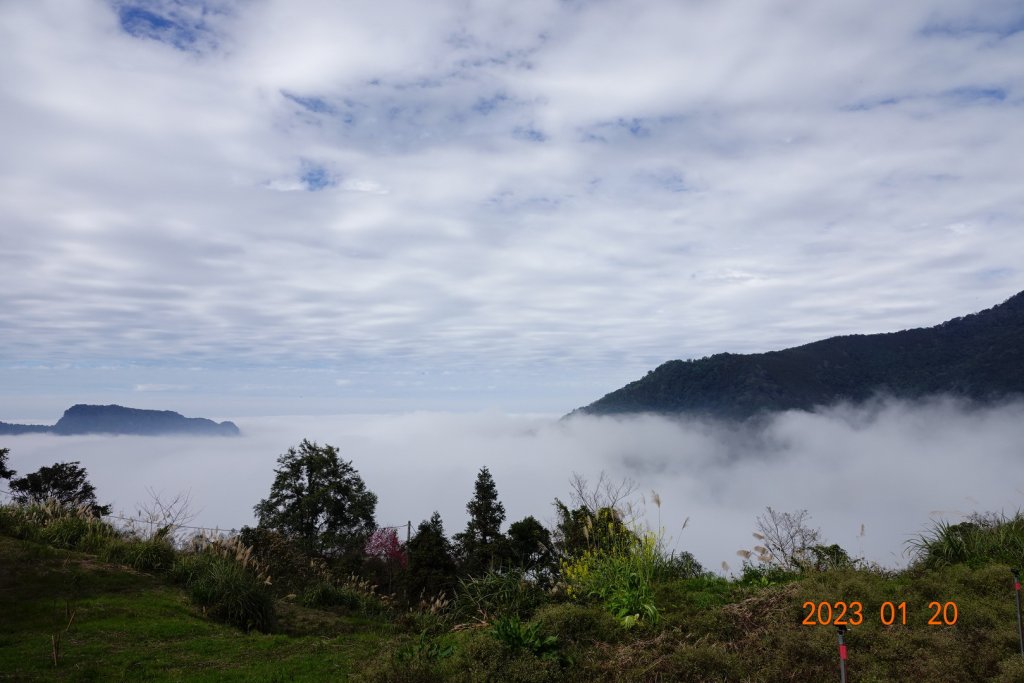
(871, 476)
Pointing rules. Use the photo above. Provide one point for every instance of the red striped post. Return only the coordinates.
(842, 653)
(1016, 593)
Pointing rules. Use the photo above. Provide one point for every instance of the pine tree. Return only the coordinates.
(482, 546)
(431, 565)
(5, 473)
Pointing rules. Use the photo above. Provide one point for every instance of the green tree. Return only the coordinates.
(319, 501)
(482, 546)
(65, 482)
(4, 472)
(431, 563)
(529, 546)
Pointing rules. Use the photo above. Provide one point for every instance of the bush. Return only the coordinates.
(291, 568)
(324, 594)
(764, 575)
(620, 578)
(519, 636)
(56, 525)
(982, 539)
(221, 577)
(578, 623)
(496, 594)
(480, 657)
(679, 566)
(227, 591)
(153, 554)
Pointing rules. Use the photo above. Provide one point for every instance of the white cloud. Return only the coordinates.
(564, 183)
(162, 387)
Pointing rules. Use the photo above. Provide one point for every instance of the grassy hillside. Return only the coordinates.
(131, 625)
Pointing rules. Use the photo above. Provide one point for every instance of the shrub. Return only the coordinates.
(291, 568)
(764, 575)
(418, 661)
(578, 623)
(678, 566)
(516, 635)
(497, 594)
(153, 554)
(982, 539)
(481, 657)
(620, 578)
(222, 577)
(227, 591)
(54, 524)
(325, 594)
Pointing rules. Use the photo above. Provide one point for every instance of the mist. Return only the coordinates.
(871, 476)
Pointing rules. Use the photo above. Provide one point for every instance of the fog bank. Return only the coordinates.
(887, 466)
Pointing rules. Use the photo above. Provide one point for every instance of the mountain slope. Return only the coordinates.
(979, 356)
(114, 419)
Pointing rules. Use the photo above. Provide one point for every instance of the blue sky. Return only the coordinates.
(240, 208)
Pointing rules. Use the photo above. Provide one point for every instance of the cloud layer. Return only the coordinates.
(889, 467)
(571, 191)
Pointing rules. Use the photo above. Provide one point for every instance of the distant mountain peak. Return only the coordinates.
(979, 357)
(83, 418)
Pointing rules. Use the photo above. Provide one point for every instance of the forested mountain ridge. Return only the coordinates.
(114, 419)
(978, 357)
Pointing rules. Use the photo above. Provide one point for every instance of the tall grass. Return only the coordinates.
(981, 540)
(496, 594)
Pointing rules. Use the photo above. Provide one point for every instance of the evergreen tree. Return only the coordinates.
(4, 472)
(482, 546)
(431, 564)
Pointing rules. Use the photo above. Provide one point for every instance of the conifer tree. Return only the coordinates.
(5, 473)
(482, 546)
(431, 565)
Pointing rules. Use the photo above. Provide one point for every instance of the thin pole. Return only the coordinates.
(842, 653)
(1016, 594)
(408, 531)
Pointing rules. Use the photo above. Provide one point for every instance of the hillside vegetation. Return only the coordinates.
(979, 357)
(316, 591)
(124, 611)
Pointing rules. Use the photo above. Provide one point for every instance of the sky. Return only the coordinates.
(309, 207)
(871, 477)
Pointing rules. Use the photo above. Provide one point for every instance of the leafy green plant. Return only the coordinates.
(621, 578)
(425, 649)
(517, 635)
(764, 575)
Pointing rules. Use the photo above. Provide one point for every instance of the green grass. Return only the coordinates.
(130, 626)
